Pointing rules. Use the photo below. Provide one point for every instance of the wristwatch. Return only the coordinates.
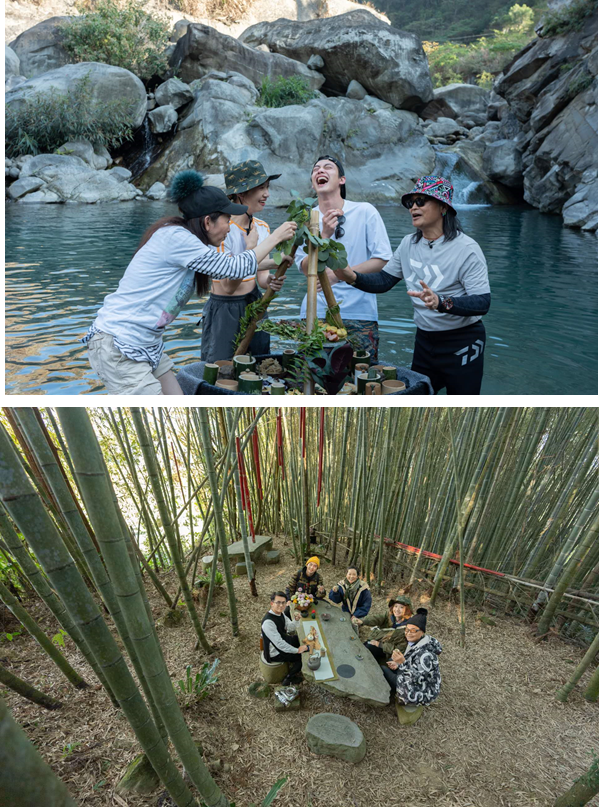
(445, 304)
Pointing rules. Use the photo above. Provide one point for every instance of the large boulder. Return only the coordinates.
(173, 92)
(387, 62)
(40, 48)
(335, 736)
(11, 63)
(202, 49)
(464, 99)
(106, 82)
(24, 186)
(383, 150)
(502, 162)
(95, 156)
(581, 209)
(50, 166)
(162, 119)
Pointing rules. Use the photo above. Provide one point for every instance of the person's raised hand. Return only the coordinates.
(296, 616)
(398, 657)
(285, 231)
(329, 222)
(427, 295)
(251, 238)
(275, 283)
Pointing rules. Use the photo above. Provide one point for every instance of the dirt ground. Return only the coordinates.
(496, 736)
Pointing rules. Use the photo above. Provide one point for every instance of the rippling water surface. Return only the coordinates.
(62, 260)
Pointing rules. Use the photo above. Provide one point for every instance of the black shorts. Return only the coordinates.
(452, 359)
(220, 325)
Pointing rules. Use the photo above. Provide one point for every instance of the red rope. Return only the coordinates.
(320, 453)
(414, 550)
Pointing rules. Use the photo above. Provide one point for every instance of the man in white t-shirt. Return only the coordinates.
(360, 228)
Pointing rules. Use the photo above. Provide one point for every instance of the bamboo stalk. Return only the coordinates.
(312, 295)
(26, 690)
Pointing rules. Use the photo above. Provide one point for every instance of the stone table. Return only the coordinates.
(358, 679)
(262, 544)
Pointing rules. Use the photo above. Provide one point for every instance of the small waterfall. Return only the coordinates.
(146, 147)
(467, 192)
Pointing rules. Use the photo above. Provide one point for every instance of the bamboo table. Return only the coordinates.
(357, 679)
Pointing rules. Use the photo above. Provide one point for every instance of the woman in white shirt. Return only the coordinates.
(247, 184)
(125, 342)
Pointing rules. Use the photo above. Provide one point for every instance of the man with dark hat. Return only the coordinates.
(360, 228)
(387, 630)
(414, 675)
(247, 184)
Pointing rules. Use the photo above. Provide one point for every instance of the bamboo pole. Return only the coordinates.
(312, 295)
(267, 298)
(26, 690)
(28, 512)
(563, 693)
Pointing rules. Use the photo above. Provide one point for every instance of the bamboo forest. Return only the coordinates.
(299, 606)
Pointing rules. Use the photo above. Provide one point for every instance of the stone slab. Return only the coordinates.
(407, 715)
(335, 736)
(368, 683)
(262, 544)
(241, 569)
(273, 557)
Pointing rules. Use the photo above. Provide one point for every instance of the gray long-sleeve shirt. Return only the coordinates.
(270, 629)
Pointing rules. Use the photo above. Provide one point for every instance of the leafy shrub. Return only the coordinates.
(8, 573)
(120, 33)
(568, 18)
(285, 91)
(579, 84)
(204, 580)
(8, 637)
(197, 688)
(46, 120)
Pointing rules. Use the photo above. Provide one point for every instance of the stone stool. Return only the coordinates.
(273, 672)
(408, 714)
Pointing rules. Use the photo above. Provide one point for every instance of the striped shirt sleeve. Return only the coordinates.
(188, 252)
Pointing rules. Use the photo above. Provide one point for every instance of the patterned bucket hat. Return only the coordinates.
(437, 187)
(245, 176)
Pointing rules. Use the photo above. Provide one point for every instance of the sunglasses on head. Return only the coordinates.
(339, 231)
(419, 201)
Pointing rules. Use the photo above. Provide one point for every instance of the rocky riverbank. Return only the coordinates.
(533, 137)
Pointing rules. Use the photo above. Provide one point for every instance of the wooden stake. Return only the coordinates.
(312, 300)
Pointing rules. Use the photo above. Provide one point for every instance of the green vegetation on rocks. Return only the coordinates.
(120, 33)
(568, 18)
(283, 91)
(45, 121)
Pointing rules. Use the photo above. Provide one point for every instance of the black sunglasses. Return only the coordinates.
(339, 231)
(419, 201)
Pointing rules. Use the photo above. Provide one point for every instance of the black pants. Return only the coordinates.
(452, 359)
(391, 676)
(376, 651)
(294, 659)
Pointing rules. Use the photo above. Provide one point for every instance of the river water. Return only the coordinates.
(63, 259)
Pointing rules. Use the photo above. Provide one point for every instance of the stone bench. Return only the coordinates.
(335, 736)
(273, 672)
(235, 552)
(407, 715)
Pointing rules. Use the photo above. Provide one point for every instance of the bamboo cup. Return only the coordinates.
(391, 385)
(277, 388)
(361, 382)
(243, 364)
(360, 357)
(373, 388)
(250, 383)
(359, 368)
(224, 363)
(390, 373)
(225, 383)
(211, 373)
(287, 359)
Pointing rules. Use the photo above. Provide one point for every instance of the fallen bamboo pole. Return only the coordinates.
(266, 300)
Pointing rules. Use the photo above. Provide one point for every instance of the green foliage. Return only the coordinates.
(204, 580)
(70, 748)
(58, 638)
(8, 637)
(46, 120)
(579, 84)
(196, 688)
(285, 91)
(8, 573)
(270, 796)
(121, 33)
(478, 61)
(569, 18)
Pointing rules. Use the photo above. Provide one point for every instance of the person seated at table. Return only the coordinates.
(308, 580)
(279, 645)
(414, 675)
(353, 593)
(388, 632)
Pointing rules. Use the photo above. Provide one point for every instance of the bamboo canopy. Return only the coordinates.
(490, 506)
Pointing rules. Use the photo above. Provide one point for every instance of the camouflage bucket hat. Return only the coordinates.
(402, 600)
(246, 176)
(437, 187)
